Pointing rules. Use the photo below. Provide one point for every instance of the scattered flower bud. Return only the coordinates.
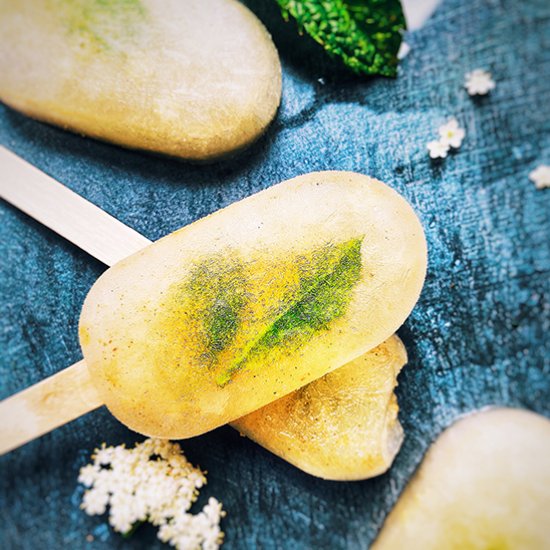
(540, 176)
(452, 134)
(437, 149)
(479, 82)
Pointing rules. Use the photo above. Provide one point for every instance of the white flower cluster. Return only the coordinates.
(450, 135)
(479, 82)
(152, 482)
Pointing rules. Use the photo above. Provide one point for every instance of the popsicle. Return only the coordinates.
(342, 426)
(66, 401)
(484, 484)
(244, 306)
(198, 79)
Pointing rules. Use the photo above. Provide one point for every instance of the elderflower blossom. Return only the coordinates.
(451, 134)
(438, 149)
(479, 82)
(540, 176)
(152, 482)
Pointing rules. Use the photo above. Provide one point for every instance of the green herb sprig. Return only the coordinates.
(364, 34)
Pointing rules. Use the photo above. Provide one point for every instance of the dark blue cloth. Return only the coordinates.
(478, 336)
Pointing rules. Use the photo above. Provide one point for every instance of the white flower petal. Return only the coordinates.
(451, 134)
(438, 149)
(541, 176)
(479, 82)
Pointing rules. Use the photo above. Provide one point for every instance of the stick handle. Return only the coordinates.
(67, 213)
(70, 393)
(47, 405)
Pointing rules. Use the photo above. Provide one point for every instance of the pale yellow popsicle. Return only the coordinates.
(342, 426)
(196, 79)
(484, 484)
(241, 308)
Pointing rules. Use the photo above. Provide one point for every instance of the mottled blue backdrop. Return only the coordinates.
(478, 336)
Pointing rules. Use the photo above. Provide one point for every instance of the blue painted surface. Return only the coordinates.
(478, 335)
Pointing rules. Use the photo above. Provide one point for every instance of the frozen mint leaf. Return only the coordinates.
(324, 293)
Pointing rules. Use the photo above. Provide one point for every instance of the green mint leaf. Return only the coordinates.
(364, 34)
(323, 296)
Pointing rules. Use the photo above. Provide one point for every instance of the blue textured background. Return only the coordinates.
(478, 335)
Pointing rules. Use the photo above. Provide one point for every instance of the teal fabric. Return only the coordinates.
(477, 337)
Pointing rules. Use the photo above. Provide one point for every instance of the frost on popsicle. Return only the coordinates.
(319, 294)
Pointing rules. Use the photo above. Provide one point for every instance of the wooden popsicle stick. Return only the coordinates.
(69, 214)
(70, 393)
(47, 405)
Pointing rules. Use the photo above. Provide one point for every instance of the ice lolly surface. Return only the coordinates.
(196, 79)
(244, 306)
(483, 485)
(342, 426)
